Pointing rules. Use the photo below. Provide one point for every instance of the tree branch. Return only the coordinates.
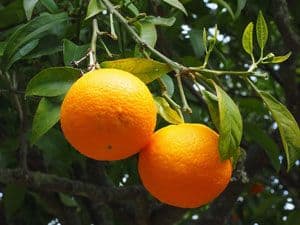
(53, 183)
(285, 25)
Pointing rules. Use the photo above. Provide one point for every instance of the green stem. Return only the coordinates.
(176, 66)
(186, 107)
(220, 72)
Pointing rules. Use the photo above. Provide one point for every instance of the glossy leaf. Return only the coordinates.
(47, 46)
(169, 84)
(33, 30)
(166, 112)
(230, 126)
(94, 8)
(212, 104)
(28, 7)
(288, 127)
(46, 116)
(53, 81)
(50, 5)
(145, 69)
(129, 4)
(73, 52)
(196, 38)
(176, 4)
(247, 39)
(280, 59)
(147, 32)
(261, 31)
(240, 6)
(161, 21)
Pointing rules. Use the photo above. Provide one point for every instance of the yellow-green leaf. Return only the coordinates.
(247, 39)
(145, 69)
(261, 31)
(280, 59)
(166, 112)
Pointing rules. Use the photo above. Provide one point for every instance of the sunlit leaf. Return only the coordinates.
(166, 112)
(247, 39)
(261, 31)
(145, 69)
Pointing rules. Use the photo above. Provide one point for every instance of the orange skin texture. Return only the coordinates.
(108, 114)
(181, 166)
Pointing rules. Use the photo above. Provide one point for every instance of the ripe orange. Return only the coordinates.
(108, 114)
(181, 166)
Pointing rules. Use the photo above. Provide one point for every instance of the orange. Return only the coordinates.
(181, 166)
(108, 114)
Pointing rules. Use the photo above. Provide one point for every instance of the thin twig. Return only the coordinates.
(186, 107)
(176, 66)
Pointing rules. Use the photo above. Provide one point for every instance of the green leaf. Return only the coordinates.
(196, 38)
(204, 39)
(225, 5)
(28, 7)
(2, 47)
(131, 7)
(169, 84)
(212, 104)
(12, 14)
(147, 32)
(240, 6)
(257, 135)
(145, 69)
(288, 127)
(176, 4)
(47, 46)
(166, 112)
(247, 39)
(230, 127)
(46, 116)
(53, 81)
(33, 30)
(157, 20)
(261, 31)
(68, 200)
(94, 8)
(279, 59)
(50, 5)
(25, 50)
(13, 198)
(73, 52)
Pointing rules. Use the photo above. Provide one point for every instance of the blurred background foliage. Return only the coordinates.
(271, 196)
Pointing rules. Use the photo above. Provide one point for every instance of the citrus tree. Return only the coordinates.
(152, 112)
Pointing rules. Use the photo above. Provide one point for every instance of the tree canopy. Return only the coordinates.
(232, 65)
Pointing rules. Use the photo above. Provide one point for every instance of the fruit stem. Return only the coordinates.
(186, 107)
(93, 53)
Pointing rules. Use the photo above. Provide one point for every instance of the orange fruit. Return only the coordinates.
(108, 114)
(181, 166)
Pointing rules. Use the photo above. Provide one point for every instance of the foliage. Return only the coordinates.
(45, 45)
